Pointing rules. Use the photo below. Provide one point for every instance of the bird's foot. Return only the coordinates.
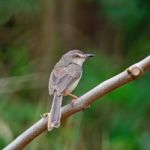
(73, 102)
(45, 115)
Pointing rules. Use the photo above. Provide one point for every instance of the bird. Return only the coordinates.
(63, 79)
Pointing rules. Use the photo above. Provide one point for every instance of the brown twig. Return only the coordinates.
(133, 72)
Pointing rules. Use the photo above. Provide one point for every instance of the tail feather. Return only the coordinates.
(55, 113)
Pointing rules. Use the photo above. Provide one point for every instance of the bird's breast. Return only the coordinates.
(73, 85)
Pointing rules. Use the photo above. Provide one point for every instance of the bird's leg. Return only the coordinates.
(71, 95)
(74, 99)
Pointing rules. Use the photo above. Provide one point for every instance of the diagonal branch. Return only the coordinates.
(132, 73)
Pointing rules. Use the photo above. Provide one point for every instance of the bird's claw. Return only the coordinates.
(83, 109)
(72, 102)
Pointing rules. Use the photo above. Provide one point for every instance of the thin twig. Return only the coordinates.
(131, 73)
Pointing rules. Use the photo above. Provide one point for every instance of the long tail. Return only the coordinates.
(55, 113)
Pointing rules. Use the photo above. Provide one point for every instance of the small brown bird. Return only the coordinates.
(63, 80)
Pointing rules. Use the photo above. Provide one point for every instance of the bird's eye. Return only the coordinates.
(77, 56)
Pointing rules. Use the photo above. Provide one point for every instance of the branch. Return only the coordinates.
(133, 72)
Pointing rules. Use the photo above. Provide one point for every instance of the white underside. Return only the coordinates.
(73, 86)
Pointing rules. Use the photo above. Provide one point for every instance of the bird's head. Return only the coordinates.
(77, 56)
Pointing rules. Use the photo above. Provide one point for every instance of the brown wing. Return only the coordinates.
(61, 78)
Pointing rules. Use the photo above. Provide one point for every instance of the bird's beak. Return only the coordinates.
(89, 55)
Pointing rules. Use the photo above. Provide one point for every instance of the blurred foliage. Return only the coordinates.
(8, 8)
(33, 36)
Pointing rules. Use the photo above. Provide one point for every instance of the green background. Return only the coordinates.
(33, 36)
